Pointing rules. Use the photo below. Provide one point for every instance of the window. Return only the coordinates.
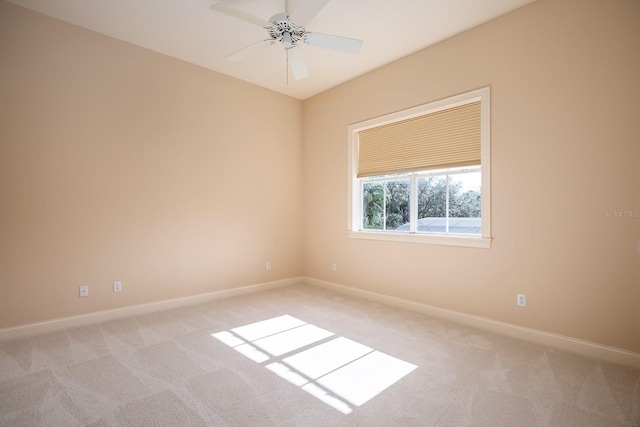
(422, 175)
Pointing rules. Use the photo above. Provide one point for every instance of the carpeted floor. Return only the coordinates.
(303, 356)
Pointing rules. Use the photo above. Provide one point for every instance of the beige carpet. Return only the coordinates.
(303, 356)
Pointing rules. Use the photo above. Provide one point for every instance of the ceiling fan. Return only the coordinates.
(288, 29)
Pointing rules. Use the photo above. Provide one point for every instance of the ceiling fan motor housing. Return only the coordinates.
(285, 31)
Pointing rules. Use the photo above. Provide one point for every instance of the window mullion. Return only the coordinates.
(384, 205)
(446, 222)
(413, 204)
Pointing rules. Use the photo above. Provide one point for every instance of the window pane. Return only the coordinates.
(397, 203)
(432, 204)
(465, 203)
(372, 206)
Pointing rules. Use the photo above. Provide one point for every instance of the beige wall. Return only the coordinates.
(565, 85)
(118, 163)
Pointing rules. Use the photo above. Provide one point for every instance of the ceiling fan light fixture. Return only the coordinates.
(287, 41)
(281, 26)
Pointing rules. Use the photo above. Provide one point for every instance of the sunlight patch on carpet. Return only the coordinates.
(336, 370)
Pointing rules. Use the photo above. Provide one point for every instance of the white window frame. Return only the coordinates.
(355, 193)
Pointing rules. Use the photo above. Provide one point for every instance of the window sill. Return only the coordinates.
(427, 239)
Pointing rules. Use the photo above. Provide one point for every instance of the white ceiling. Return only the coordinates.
(189, 30)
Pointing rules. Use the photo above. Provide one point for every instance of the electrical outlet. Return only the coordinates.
(84, 291)
(522, 300)
(268, 266)
(117, 286)
(334, 267)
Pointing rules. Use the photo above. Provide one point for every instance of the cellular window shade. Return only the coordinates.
(446, 138)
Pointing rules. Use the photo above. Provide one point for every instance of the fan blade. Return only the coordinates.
(219, 7)
(306, 10)
(251, 49)
(296, 63)
(343, 44)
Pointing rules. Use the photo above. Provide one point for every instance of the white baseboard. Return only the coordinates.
(561, 342)
(136, 310)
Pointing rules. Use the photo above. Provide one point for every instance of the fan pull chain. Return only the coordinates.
(286, 52)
